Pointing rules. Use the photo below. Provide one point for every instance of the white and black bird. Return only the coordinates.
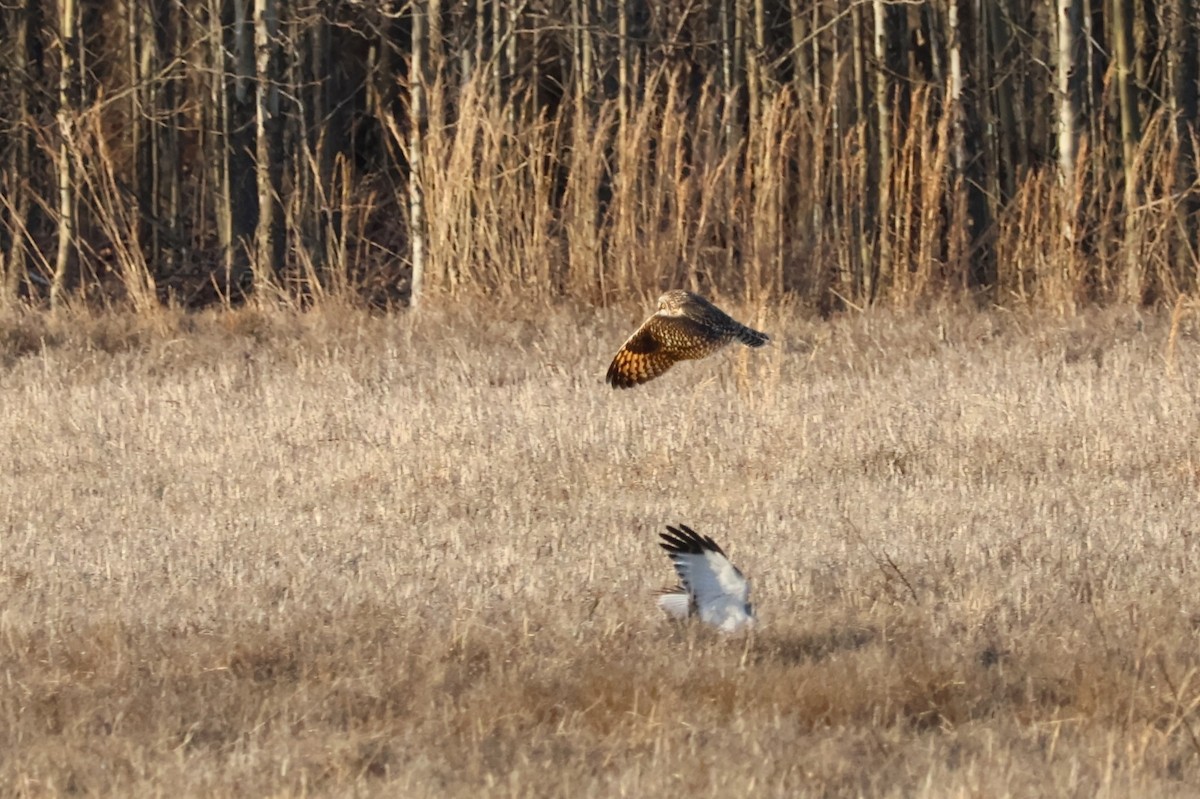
(710, 587)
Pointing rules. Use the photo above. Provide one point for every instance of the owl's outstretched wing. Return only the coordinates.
(657, 345)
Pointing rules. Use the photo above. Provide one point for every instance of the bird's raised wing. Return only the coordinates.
(720, 592)
(657, 345)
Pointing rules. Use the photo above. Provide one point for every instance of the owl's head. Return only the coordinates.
(674, 302)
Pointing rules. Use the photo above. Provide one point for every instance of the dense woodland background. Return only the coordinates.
(846, 153)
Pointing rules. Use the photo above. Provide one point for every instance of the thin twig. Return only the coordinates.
(1162, 667)
(880, 562)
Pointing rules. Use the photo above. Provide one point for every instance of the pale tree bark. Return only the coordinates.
(535, 70)
(957, 79)
(725, 33)
(579, 75)
(862, 216)
(510, 49)
(818, 211)
(269, 237)
(497, 49)
(416, 123)
(581, 21)
(731, 74)
(1091, 66)
(588, 56)
(750, 10)
(726, 12)
(764, 240)
(815, 44)
(623, 87)
(68, 109)
(739, 42)
(733, 56)
(835, 96)
(1122, 30)
(886, 24)
(1068, 24)
(763, 70)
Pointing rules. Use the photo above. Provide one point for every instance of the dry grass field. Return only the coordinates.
(336, 554)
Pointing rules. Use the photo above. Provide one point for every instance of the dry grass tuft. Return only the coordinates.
(261, 553)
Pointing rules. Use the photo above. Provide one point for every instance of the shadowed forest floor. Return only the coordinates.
(252, 554)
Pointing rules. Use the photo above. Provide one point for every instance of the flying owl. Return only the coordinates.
(685, 327)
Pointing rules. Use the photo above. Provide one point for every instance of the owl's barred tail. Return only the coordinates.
(751, 337)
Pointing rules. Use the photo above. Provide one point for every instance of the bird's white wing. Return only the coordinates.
(712, 579)
(676, 603)
(720, 592)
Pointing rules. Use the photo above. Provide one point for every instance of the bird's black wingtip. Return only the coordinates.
(683, 540)
(756, 339)
(618, 379)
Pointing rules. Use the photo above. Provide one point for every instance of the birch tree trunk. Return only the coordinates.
(510, 50)
(577, 69)
(416, 122)
(818, 212)
(1067, 21)
(726, 11)
(862, 216)
(748, 10)
(1122, 29)
(68, 109)
(497, 51)
(1091, 66)
(882, 266)
(588, 57)
(270, 241)
(623, 87)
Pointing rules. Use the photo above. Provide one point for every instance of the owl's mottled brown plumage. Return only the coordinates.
(685, 327)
